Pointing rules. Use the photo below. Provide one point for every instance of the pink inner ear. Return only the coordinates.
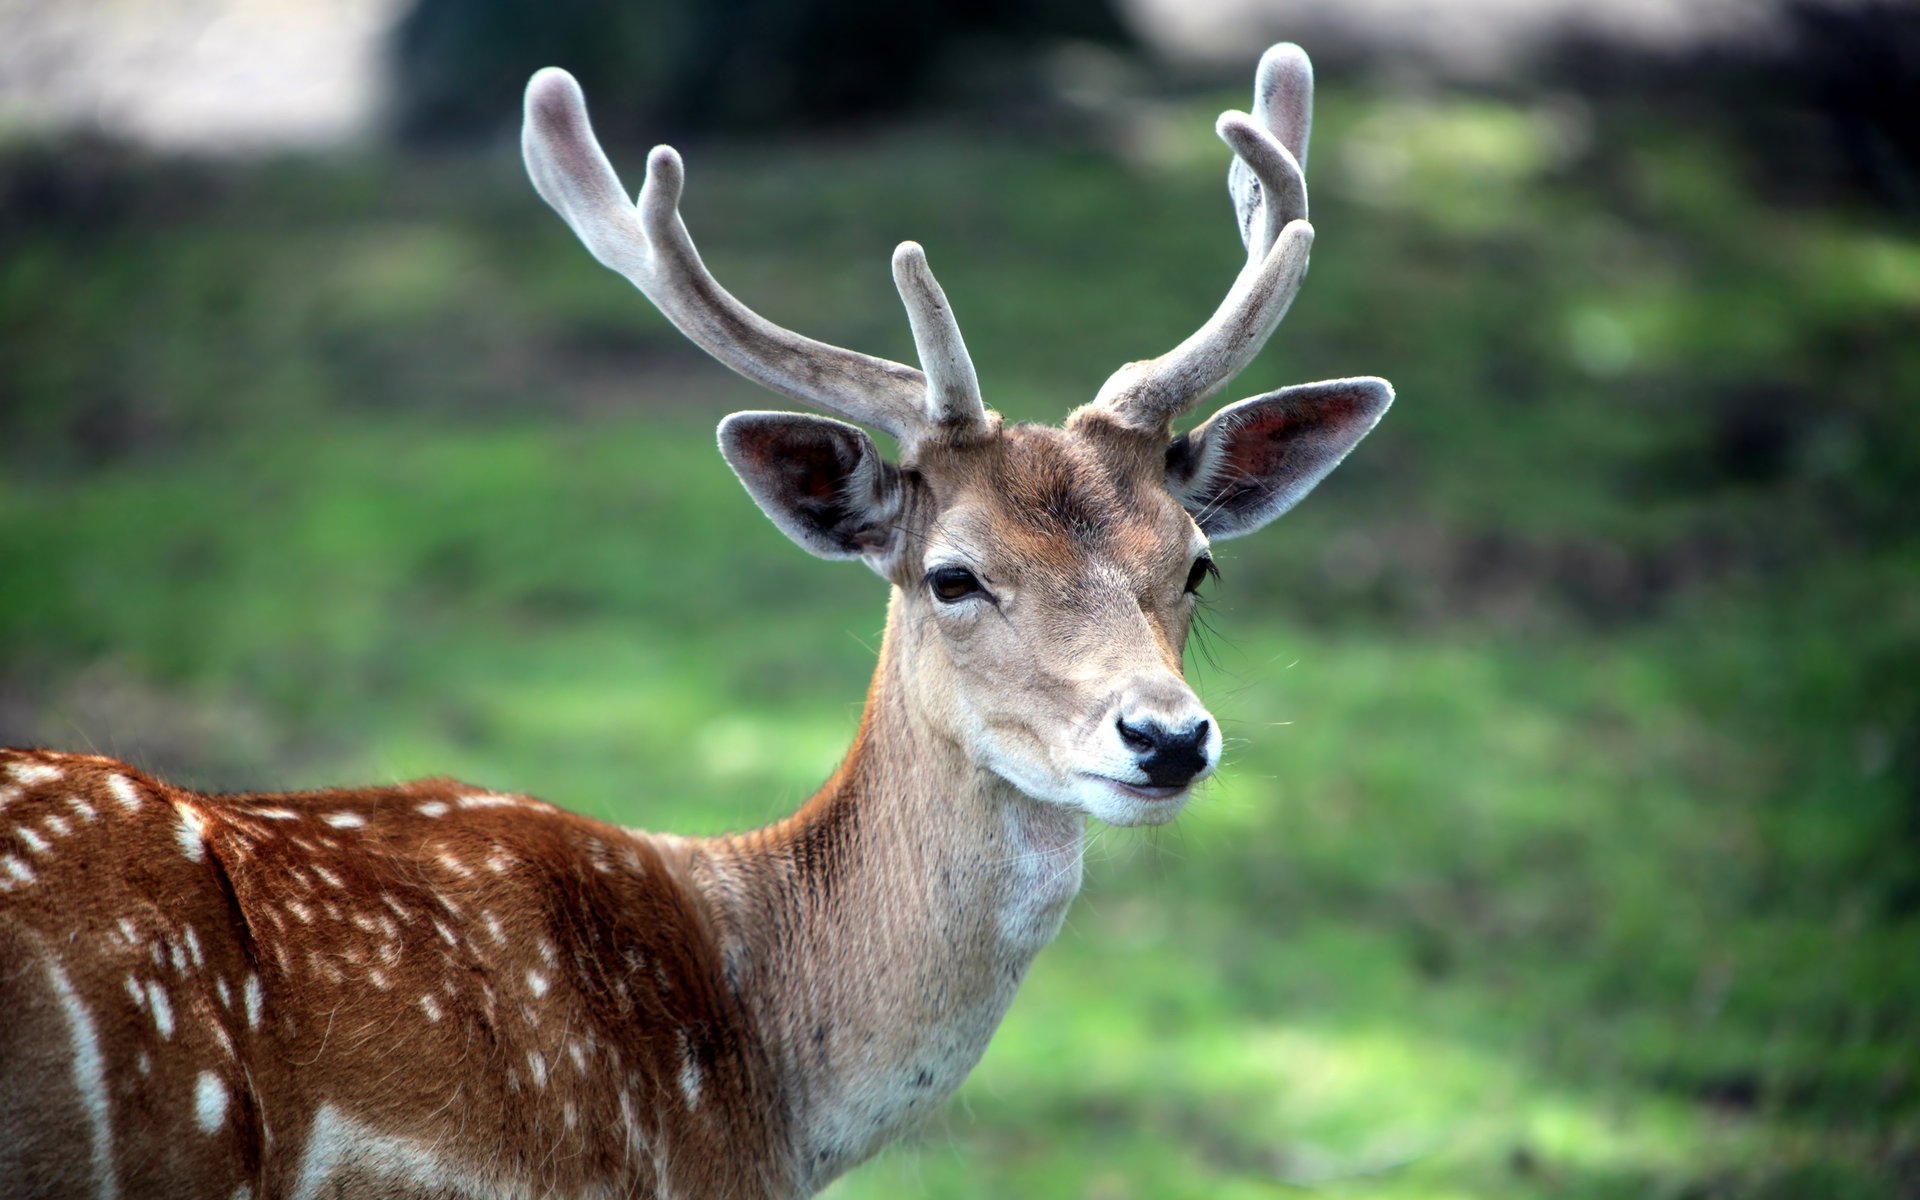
(814, 467)
(1261, 442)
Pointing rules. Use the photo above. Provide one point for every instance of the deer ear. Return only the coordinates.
(821, 481)
(1254, 460)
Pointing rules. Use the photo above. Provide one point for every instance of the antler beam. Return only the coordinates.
(1268, 184)
(649, 245)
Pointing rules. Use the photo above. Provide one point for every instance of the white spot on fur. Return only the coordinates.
(188, 834)
(193, 948)
(327, 876)
(57, 825)
(90, 1080)
(128, 932)
(547, 953)
(537, 1064)
(493, 928)
(537, 983)
(379, 978)
(345, 820)
(431, 1006)
(690, 1078)
(226, 994)
(499, 862)
(143, 1062)
(35, 843)
(33, 772)
(135, 992)
(251, 995)
(124, 791)
(300, 911)
(19, 870)
(162, 1008)
(579, 1056)
(455, 865)
(277, 814)
(488, 800)
(209, 1102)
(432, 808)
(86, 811)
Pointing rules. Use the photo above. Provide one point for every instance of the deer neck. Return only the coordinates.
(876, 937)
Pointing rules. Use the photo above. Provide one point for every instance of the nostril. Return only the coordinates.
(1138, 738)
(1198, 737)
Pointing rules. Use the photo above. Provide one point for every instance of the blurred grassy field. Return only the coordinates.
(1570, 841)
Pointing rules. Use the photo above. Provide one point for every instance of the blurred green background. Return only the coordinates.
(1568, 843)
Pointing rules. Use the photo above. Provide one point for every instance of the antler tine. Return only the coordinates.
(1267, 182)
(953, 390)
(649, 244)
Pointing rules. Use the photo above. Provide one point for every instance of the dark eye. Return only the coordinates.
(951, 584)
(1202, 567)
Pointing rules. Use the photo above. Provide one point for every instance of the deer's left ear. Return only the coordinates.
(821, 481)
(1254, 460)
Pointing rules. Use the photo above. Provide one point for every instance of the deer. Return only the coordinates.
(434, 990)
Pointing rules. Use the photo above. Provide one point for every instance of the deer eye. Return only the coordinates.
(1202, 567)
(952, 584)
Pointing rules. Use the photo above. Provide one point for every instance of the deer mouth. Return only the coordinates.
(1141, 791)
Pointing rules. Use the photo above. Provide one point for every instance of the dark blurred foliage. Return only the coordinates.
(1827, 106)
(668, 67)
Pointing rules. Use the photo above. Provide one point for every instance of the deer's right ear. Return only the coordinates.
(821, 481)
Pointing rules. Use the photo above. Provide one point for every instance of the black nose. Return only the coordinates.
(1171, 758)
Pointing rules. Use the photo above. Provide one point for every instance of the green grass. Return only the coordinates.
(1567, 845)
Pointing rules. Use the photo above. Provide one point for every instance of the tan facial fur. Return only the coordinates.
(1083, 557)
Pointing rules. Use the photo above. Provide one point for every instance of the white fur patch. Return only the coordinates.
(432, 808)
(209, 1102)
(537, 983)
(17, 869)
(345, 820)
(90, 1080)
(34, 841)
(188, 834)
(690, 1075)
(33, 772)
(162, 1008)
(488, 800)
(124, 791)
(251, 994)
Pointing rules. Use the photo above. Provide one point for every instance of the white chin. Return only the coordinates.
(1119, 803)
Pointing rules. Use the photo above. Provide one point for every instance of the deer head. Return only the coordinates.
(1043, 579)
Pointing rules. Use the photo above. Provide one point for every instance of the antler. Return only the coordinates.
(1269, 188)
(649, 245)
